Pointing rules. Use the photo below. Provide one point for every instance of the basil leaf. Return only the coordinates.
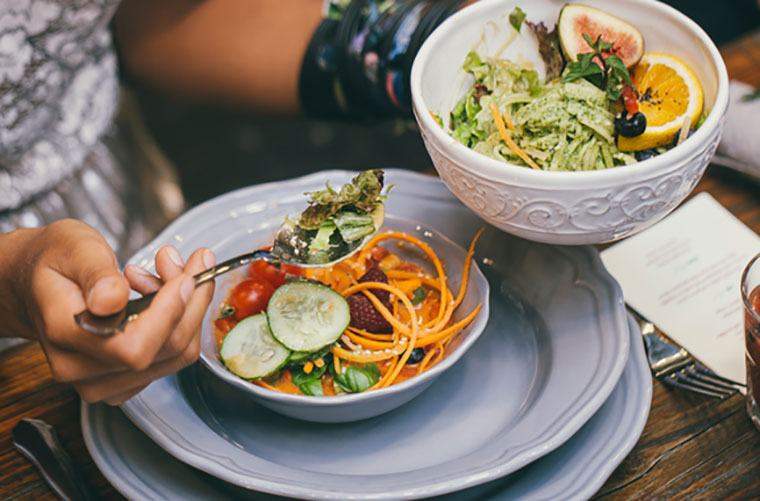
(516, 18)
(618, 68)
(419, 295)
(356, 379)
(311, 387)
(311, 383)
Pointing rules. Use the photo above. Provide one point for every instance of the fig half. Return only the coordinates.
(575, 20)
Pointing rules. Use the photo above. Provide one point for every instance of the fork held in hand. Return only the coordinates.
(676, 367)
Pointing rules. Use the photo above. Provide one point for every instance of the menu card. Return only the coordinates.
(683, 275)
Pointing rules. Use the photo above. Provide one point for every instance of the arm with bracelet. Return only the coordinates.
(334, 59)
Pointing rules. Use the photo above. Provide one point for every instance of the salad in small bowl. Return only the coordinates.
(354, 339)
(570, 123)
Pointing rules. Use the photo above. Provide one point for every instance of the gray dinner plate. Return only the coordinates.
(139, 469)
(554, 347)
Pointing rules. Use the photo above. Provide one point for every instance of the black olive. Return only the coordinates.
(630, 126)
(417, 355)
(645, 154)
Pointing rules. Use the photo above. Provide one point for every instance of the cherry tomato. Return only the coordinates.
(261, 270)
(630, 100)
(224, 325)
(250, 297)
(291, 269)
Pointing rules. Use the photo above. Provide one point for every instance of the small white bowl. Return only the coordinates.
(357, 406)
(587, 207)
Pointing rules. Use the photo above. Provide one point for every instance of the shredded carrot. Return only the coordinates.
(466, 271)
(508, 119)
(425, 361)
(336, 361)
(433, 338)
(264, 384)
(499, 121)
(367, 343)
(427, 325)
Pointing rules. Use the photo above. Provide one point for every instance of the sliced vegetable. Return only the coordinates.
(250, 351)
(306, 316)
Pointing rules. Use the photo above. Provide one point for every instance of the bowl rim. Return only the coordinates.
(477, 327)
(489, 167)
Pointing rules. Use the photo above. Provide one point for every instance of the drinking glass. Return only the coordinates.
(750, 286)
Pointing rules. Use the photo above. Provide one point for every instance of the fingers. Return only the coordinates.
(169, 263)
(83, 256)
(117, 386)
(140, 342)
(58, 299)
(141, 279)
(189, 325)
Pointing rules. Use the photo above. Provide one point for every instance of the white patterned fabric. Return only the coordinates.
(58, 91)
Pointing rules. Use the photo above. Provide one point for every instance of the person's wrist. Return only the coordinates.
(17, 257)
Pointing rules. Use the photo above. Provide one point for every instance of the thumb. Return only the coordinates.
(92, 265)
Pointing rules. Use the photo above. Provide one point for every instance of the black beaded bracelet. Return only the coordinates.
(359, 60)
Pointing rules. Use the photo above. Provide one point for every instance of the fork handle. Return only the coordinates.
(107, 326)
(136, 306)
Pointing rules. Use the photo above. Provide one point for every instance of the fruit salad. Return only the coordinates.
(603, 102)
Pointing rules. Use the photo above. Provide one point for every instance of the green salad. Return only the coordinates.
(335, 222)
(561, 125)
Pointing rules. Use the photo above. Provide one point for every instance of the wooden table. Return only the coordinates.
(691, 446)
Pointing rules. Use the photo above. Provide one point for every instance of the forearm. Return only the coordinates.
(14, 258)
(239, 52)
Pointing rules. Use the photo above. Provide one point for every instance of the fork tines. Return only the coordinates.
(676, 367)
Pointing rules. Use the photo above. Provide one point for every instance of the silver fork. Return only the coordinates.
(676, 367)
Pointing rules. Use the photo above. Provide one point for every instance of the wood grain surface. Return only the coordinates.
(692, 447)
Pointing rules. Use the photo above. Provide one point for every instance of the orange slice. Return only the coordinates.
(670, 95)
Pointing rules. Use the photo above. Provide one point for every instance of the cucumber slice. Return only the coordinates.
(305, 316)
(250, 351)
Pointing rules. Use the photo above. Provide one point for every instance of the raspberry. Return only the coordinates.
(375, 274)
(364, 315)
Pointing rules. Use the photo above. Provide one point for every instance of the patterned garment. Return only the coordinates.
(58, 91)
(61, 152)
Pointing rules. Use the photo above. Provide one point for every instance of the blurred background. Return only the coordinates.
(217, 150)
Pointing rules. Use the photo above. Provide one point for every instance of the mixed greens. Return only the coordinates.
(603, 102)
(565, 124)
(335, 222)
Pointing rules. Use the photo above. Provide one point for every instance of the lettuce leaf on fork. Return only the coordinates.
(335, 221)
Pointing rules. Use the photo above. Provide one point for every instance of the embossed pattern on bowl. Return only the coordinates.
(565, 207)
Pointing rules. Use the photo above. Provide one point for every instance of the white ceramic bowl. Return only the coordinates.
(586, 207)
(353, 407)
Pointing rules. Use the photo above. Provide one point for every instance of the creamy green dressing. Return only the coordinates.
(562, 126)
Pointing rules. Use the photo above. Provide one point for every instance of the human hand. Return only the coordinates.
(70, 267)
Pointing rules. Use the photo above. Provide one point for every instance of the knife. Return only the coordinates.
(39, 443)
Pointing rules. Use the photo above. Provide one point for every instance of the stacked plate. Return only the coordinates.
(546, 404)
